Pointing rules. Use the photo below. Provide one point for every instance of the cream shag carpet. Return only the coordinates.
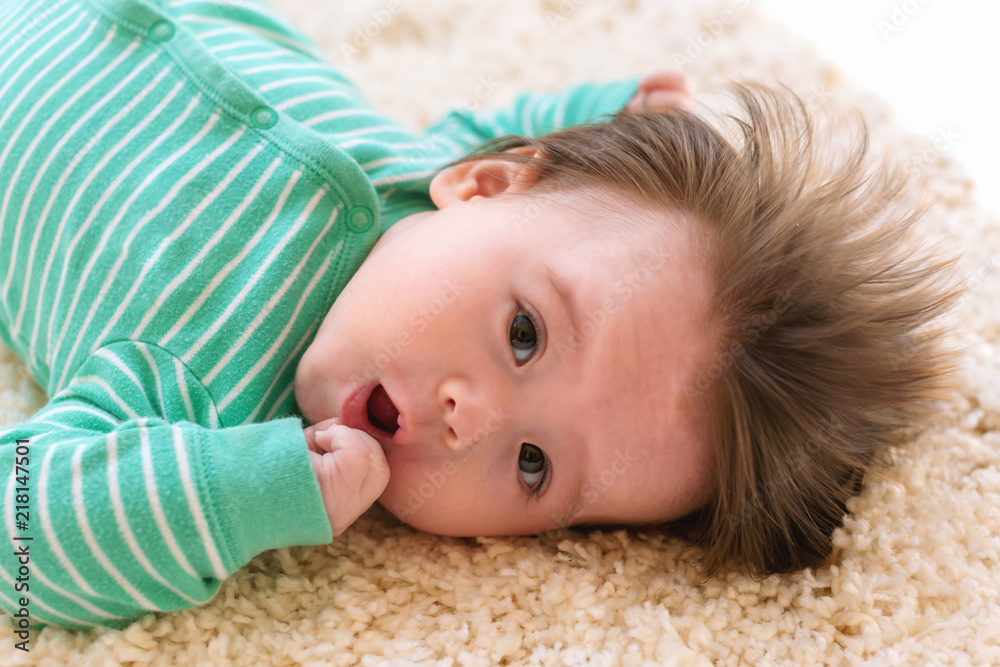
(919, 577)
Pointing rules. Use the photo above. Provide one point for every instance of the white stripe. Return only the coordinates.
(252, 417)
(123, 525)
(195, 506)
(144, 351)
(110, 228)
(262, 229)
(297, 66)
(247, 288)
(72, 409)
(38, 573)
(205, 36)
(399, 178)
(311, 97)
(26, 155)
(36, 602)
(527, 120)
(103, 384)
(341, 113)
(561, 112)
(248, 27)
(11, 138)
(430, 147)
(88, 536)
(174, 4)
(182, 277)
(116, 361)
(377, 129)
(259, 55)
(268, 87)
(53, 614)
(9, 60)
(105, 291)
(233, 45)
(279, 340)
(49, 530)
(14, 9)
(182, 387)
(196, 213)
(95, 209)
(65, 136)
(281, 399)
(381, 162)
(154, 502)
(33, 423)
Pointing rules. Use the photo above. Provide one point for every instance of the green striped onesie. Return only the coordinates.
(185, 187)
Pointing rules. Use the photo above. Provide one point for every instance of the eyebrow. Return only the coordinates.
(566, 298)
(569, 303)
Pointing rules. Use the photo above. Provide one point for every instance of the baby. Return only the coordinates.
(643, 318)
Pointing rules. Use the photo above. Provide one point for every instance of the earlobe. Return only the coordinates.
(484, 178)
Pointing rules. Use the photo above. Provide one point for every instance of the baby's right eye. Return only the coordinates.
(523, 337)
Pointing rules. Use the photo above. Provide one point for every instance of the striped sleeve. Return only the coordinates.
(410, 164)
(534, 114)
(122, 500)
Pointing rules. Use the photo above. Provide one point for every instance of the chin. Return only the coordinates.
(412, 518)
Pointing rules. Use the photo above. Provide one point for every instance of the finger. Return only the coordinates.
(662, 101)
(323, 425)
(667, 79)
(328, 435)
(377, 478)
(310, 432)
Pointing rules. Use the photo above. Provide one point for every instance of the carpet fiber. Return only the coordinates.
(918, 575)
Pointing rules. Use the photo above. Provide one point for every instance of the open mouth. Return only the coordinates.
(382, 414)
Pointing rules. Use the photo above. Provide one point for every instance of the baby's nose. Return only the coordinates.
(471, 415)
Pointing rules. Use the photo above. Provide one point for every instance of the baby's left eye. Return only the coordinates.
(523, 337)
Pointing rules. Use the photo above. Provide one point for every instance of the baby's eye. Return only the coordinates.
(533, 466)
(523, 337)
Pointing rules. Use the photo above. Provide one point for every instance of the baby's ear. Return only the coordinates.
(487, 177)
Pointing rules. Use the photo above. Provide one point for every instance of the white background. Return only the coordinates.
(939, 69)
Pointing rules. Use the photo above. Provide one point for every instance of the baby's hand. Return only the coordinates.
(660, 91)
(351, 469)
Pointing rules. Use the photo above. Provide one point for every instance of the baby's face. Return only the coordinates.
(526, 355)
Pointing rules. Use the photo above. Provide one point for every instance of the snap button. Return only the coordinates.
(264, 117)
(359, 218)
(161, 31)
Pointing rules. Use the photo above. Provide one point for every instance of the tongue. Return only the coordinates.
(381, 412)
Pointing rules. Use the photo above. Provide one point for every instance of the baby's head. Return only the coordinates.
(641, 322)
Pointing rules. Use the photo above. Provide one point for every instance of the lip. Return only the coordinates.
(354, 413)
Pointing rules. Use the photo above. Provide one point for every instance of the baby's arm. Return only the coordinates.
(536, 114)
(136, 502)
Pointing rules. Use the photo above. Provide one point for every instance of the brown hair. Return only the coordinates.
(824, 299)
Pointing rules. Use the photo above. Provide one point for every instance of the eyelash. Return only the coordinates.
(539, 334)
(532, 492)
